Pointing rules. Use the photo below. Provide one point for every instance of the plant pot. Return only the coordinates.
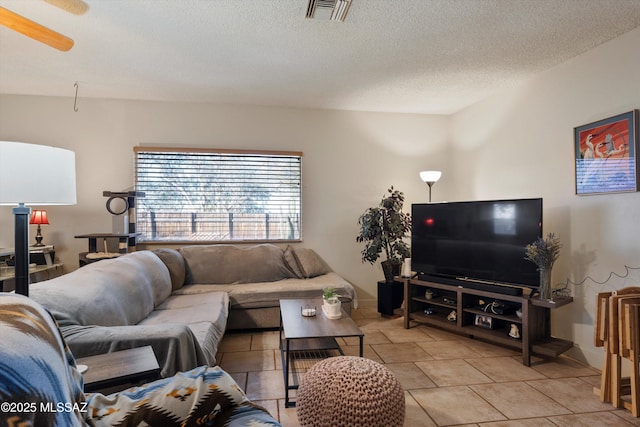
(390, 269)
(332, 308)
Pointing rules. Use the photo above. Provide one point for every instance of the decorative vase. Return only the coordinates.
(545, 283)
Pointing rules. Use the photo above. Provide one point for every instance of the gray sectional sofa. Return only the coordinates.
(182, 301)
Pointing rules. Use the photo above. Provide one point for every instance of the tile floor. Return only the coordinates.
(449, 380)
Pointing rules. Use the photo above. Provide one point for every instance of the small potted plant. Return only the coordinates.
(331, 304)
(383, 229)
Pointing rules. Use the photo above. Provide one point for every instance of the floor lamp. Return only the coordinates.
(33, 174)
(430, 178)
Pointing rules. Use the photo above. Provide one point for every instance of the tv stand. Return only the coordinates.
(482, 285)
(534, 326)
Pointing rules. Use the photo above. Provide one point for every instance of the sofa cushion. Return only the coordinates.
(219, 264)
(291, 262)
(205, 314)
(175, 263)
(260, 295)
(311, 265)
(111, 292)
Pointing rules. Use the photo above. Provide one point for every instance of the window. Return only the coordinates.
(217, 195)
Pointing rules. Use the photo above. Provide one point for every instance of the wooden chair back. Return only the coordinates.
(613, 334)
(628, 333)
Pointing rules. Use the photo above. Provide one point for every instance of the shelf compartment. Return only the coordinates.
(508, 318)
(498, 336)
(438, 301)
(438, 319)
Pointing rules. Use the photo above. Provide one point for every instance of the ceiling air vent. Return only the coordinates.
(335, 10)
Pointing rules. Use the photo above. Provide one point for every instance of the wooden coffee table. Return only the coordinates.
(119, 368)
(307, 340)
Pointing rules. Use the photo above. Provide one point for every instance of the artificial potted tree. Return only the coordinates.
(383, 229)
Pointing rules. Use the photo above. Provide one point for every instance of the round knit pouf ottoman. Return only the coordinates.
(348, 391)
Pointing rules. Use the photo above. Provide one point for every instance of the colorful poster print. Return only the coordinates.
(606, 155)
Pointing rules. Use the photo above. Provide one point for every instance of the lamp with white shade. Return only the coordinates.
(38, 175)
(430, 178)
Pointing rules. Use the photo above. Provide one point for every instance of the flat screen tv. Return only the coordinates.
(476, 242)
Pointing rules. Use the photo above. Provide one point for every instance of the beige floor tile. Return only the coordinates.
(265, 385)
(519, 400)
(406, 335)
(626, 416)
(452, 372)
(373, 337)
(437, 334)
(455, 405)
(600, 419)
(278, 359)
(485, 349)
(403, 352)
(563, 368)
(265, 341)
(530, 422)
(504, 369)
(410, 376)
(235, 342)
(369, 324)
(396, 323)
(448, 350)
(593, 380)
(247, 361)
(442, 390)
(287, 416)
(351, 350)
(572, 393)
(414, 415)
(365, 313)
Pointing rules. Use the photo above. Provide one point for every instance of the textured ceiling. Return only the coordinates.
(413, 56)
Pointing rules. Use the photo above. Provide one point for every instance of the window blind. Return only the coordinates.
(217, 195)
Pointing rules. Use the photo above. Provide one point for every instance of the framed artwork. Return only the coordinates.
(606, 155)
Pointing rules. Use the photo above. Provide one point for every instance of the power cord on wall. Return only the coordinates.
(611, 275)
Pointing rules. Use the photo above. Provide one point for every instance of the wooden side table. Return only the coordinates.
(120, 369)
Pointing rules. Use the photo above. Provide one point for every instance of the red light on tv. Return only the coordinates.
(429, 221)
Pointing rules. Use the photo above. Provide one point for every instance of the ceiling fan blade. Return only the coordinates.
(77, 7)
(34, 30)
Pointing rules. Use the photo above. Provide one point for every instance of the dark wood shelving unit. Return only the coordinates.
(534, 325)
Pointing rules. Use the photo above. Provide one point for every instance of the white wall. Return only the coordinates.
(349, 161)
(520, 144)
